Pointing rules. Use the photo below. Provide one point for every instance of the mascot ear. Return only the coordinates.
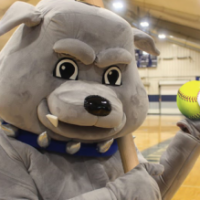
(19, 13)
(144, 42)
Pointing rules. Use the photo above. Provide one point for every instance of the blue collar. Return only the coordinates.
(88, 150)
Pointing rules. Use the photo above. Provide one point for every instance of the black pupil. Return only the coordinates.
(67, 70)
(113, 76)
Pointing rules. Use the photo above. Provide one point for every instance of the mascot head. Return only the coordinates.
(69, 71)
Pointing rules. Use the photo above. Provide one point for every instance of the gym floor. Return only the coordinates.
(153, 137)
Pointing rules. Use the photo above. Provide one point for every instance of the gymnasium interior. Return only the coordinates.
(175, 27)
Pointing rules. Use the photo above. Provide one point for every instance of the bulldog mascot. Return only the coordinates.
(69, 87)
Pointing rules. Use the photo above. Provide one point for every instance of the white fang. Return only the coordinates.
(104, 146)
(53, 119)
(9, 130)
(43, 140)
(73, 147)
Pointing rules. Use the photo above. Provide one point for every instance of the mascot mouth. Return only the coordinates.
(76, 132)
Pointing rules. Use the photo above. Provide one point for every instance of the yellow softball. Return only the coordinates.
(198, 98)
(187, 99)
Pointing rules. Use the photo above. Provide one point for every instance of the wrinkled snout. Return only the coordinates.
(85, 104)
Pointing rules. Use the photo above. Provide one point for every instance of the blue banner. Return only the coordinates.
(145, 60)
(198, 78)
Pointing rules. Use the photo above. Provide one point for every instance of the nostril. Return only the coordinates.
(97, 105)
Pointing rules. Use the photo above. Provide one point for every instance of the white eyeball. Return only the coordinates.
(112, 76)
(66, 69)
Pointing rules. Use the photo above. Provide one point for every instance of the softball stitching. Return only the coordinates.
(186, 97)
(189, 99)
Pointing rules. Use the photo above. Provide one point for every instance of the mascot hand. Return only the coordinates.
(179, 158)
(138, 183)
(190, 126)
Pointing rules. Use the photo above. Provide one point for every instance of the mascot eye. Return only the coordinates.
(112, 76)
(66, 69)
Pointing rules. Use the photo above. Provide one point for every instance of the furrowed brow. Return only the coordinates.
(75, 48)
(113, 56)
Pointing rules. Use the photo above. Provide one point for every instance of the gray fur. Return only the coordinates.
(76, 48)
(19, 13)
(145, 42)
(29, 91)
(34, 60)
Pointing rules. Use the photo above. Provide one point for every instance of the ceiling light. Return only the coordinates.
(144, 53)
(118, 5)
(144, 24)
(162, 36)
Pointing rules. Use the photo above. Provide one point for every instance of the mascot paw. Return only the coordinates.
(138, 184)
(153, 169)
(190, 126)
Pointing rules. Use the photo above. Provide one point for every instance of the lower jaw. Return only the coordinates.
(84, 134)
(77, 133)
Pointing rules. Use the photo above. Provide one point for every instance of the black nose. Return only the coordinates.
(97, 105)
